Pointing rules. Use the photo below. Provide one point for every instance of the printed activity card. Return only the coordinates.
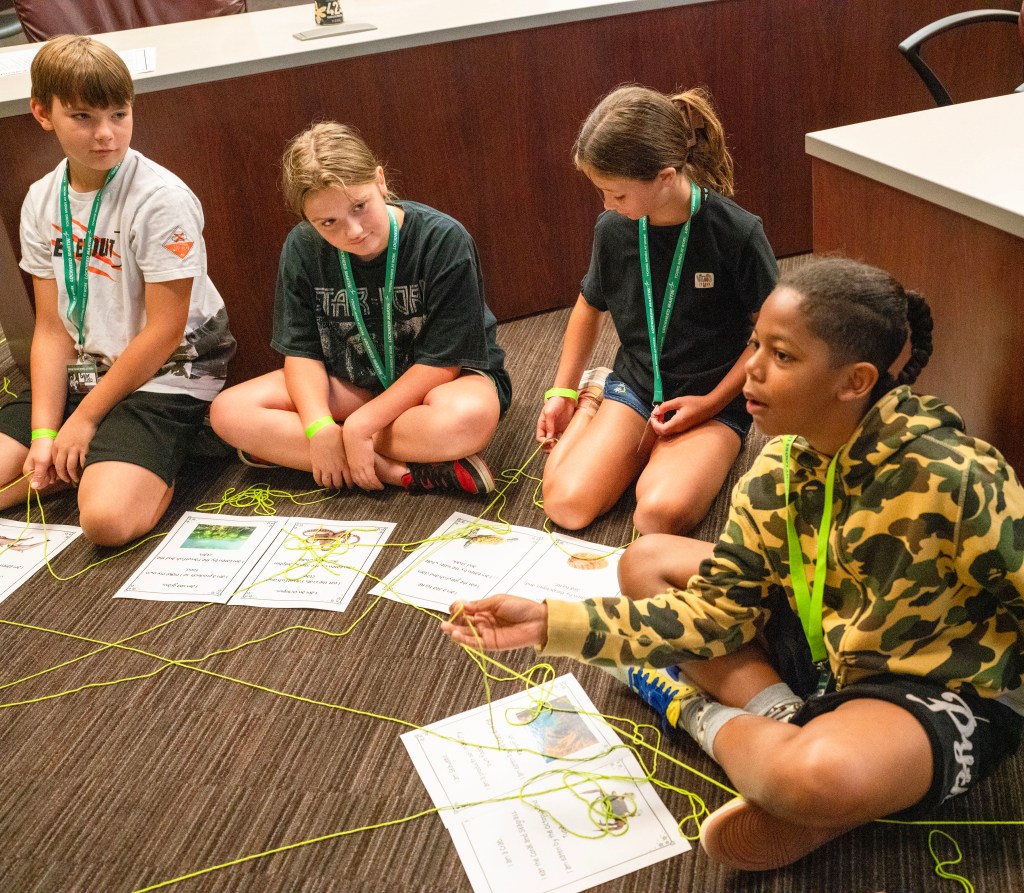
(25, 548)
(266, 562)
(466, 558)
(540, 795)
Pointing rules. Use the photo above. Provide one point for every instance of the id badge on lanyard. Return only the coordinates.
(83, 374)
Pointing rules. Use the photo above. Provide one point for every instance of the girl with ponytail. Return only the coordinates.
(851, 648)
(682, 270)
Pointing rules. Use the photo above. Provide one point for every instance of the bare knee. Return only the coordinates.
(816, 783)
(662, 513)
(475, 422)
(226, 412)
(642, 566)
(108, 525)
(108, 522)
(568, 503)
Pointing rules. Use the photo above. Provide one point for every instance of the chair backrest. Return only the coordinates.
(911, 47)
(43, 19)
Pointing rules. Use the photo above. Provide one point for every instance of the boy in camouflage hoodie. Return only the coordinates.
(914, 610)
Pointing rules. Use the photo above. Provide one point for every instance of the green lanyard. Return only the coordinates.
(77, 280)
(385, 370)
(809, 603)
(657, 335)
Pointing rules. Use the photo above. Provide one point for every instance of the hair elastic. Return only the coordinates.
(319, 425)
(562, 392)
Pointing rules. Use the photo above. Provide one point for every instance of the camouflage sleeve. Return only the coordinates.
(990, 540)
(717, 614)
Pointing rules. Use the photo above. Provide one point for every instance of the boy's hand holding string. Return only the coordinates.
(498, 623)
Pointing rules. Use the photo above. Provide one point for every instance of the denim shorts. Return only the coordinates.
(734, 415)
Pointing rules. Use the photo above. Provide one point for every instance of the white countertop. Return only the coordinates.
(231, 46)
(967, 157)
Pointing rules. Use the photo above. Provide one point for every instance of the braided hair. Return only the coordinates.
(863, 314)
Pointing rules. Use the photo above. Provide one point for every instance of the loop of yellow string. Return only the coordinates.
(940, 864)
(608, 812)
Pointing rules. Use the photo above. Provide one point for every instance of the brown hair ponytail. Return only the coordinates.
(709, 162)
(635, 132)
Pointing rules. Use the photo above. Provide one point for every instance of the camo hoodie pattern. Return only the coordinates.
(924, 573)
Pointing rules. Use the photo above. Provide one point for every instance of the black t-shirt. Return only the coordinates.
(439, 314)
(728, 272)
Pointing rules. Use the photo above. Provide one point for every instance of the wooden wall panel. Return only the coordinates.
(483, 129)
(970, 273)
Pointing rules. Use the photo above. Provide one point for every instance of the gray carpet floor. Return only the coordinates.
(115, 787)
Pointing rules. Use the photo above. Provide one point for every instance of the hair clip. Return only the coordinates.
(696, 123)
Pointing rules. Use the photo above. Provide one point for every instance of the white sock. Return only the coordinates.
(777, 701)
(703, 718)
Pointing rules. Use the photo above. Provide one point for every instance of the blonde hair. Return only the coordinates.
(80, 71)
(325, 155)
(636, 132)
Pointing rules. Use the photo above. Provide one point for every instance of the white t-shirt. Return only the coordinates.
(149, 229)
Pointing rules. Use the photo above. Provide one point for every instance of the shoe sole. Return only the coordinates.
(252, 462)
(483, 472)
(743, 836)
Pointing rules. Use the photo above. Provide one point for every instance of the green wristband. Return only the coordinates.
(318, 425)
(561, 392)
(43, 433)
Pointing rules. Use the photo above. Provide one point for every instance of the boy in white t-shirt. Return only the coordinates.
(131, 339)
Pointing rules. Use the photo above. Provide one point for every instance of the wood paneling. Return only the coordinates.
(483, 129)
(971, 274)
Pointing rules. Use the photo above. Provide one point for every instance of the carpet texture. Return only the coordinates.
(114, 787)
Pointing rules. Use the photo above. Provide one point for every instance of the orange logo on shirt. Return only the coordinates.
(179, 243)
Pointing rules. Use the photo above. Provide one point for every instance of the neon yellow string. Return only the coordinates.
(6, 388)
(603, 817)
(261, 498)
(940, 864)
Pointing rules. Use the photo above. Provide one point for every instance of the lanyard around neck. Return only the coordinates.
(385, 370)
(809, 602)
(76, 279)
(657, 333)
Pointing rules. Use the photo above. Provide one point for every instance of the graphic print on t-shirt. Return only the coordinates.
(178, 242)
(105, 262)
(340, 340)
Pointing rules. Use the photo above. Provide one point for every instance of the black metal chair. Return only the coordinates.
(911, 47)
(43, 19)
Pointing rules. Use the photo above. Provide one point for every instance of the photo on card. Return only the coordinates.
(328, 539)
(556, 729)
(217, 536)
(18, 544)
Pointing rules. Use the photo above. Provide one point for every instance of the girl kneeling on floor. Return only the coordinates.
(681, 269)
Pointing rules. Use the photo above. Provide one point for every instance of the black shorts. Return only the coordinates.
(157, 432)
(970, 735)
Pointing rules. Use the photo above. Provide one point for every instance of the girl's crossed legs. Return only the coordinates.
(455, 420)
